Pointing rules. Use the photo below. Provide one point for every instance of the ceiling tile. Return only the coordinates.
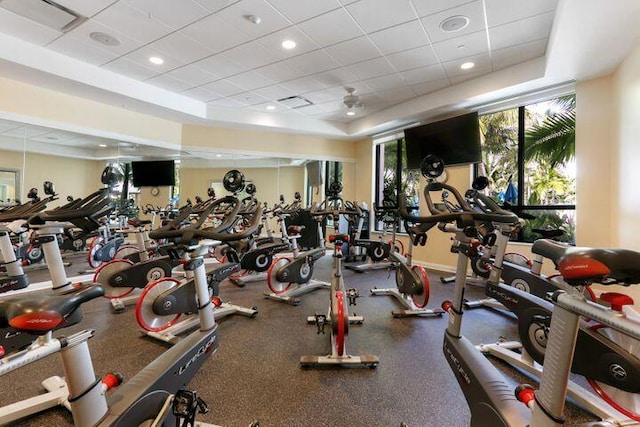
(227, 103)
(304, 84)
(126, 19)
(86, 8)
(371, 68)
(280, 71)
(83, 32)
(249, 98)
(275, 92)
(312, 110)
(414, 58)
(193, 74)
(224, 88)
(263, 107)
(373, 15)
(141, 57)
(385, 82)
(330, 95)
(298, 11)
(26, 131)
(525, 30)
(215, 5)
(6, 125)
(501, 12)
(469, 76)
(430, 7)
(166, 82)
(467, 45)
(336, 77)
(215, 33)
(166, 11)
(314, 62)
(482, 65)
(55, 137)
(85, 51)
(474, 11)
(181, 47)
(397, 95)
(341, 25)
(254, 55)
(401, 37)
(221, 65)
(26, 29)
(236, 16)
(250, 80)
(303, 42)
(352, 51)
(424, 88)
(520, 53)
(424, 74)
(201, 94)
(130, 69)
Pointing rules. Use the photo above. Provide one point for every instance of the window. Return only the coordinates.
(529, 157)
(9, 186)
(393, 177)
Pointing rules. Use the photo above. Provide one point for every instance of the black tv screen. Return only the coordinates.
(156, 173)
(456, 141)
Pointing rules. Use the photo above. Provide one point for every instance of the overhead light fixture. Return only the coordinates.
(288, 44)
(467, 65)
(271, 107)
(45, 12)
(254, 19)
(351, 113)
(104, 38)
(102, 145)
(156, 60)
(454, 23)
(218, 155)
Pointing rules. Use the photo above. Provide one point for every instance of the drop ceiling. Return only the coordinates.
(220, 67)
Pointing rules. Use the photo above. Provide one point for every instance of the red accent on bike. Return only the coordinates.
(216, 301)
(25, 263)
(39, 321)
(446, 305)
(617, 300)
(421, 300)
(340, 319)
(581, 268)
(2, 351)
(112, 380)
(525, 394)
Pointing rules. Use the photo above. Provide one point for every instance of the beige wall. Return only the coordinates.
(276, 144)
(75, 177)
(53, 107)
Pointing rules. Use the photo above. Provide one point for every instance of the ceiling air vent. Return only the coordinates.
(45, 12)
(295, 102)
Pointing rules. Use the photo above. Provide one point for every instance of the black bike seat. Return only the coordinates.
(41, 314)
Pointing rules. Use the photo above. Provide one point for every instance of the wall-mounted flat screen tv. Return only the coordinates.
(456, 141)
(155, 173)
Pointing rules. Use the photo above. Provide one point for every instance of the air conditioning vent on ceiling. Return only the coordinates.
(295, 102)
(45, 12)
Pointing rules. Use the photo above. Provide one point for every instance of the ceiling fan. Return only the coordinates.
(351, 100)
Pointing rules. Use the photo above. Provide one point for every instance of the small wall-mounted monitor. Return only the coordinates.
(456, 141)
(155, 173)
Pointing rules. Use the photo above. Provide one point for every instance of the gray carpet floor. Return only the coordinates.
(255, 375)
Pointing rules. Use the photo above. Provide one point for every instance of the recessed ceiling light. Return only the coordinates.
(351, 113)
(454, 23)
(102, 145)
(156, 60)
(104, 38)
(467, 65)
(271, 107)
(288, 44)
(218, 155)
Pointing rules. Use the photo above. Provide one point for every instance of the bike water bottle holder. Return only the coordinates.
(320, 321)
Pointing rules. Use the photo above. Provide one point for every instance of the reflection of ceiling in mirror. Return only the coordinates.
(16, 136)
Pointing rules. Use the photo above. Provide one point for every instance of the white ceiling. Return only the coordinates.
(221, 68)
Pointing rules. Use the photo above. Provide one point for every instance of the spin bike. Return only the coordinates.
(162, 305)
(337, 317)
(492, 401)
(290, 277)
(412, 281)
(155, 395)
